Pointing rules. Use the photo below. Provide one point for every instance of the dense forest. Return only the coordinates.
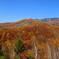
(29, 39)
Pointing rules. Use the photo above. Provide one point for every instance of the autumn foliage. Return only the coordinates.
(45, 36)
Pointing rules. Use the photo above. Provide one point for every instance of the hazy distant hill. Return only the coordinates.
(52, 21)
(49, 19)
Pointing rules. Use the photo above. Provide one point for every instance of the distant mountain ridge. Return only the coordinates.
(49, 19)
(52, 21)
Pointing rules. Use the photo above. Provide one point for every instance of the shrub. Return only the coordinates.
(4, 55)
(30, 57)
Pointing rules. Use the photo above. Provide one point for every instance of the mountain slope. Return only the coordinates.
(55, 22)
(30, 38)
(52, 21)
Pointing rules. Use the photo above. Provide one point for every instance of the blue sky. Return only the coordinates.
(15, 10)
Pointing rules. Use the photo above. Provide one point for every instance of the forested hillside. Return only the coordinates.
(29, 39)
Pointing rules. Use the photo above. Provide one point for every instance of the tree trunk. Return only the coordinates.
(49, 52)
